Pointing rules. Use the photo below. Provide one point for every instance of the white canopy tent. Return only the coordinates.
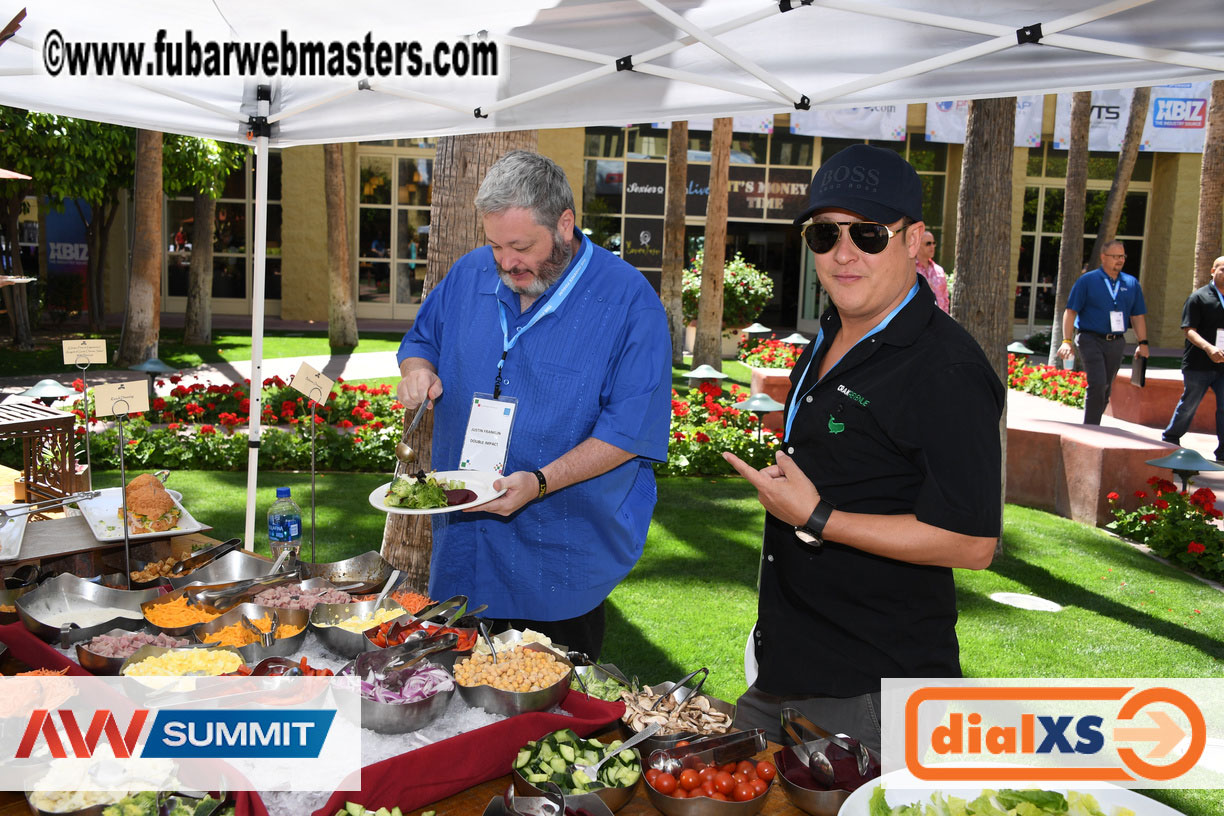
(573, 63)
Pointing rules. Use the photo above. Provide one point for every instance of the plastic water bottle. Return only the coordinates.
(285, 525)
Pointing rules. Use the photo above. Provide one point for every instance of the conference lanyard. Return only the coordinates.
(554, 303)
(1113, 290)
(794, 406)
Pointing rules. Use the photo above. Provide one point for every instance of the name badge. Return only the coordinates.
(1219, 343)
(487, 438)
(1116, 323)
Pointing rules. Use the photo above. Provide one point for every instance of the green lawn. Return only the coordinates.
(691, 599)
(47, 358)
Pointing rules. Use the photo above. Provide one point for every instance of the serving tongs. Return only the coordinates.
(583, 659)
(816, 761)
(205, 557)
(402, 656)
(715, 750)
(680, 691)
(551, 802)
(266, 639)
(45, 506)
(229, 596)
(452, 608)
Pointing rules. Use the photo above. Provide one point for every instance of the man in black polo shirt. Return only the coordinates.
(1203, 359)
(890, 473)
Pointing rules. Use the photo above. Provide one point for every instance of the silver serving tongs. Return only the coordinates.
(583, 659)
(715, 750)
(266, 639)
(225, 598)
(450, 606)
(204, 557)
(46, 505)
(550, 803)
(792, 717)
(402, 656)
(680, 692)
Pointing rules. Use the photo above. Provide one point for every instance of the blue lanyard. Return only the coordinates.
(879, 327)
(554, 303)
(1113, 290)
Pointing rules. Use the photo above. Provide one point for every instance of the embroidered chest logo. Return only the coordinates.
(835, 427)
(859, 398)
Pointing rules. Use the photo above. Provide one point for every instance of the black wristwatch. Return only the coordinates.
(812, 531)
(1141, 343)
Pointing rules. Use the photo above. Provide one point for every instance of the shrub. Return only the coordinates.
(1176, 525)
(768, 353)
(1054, 383)
(705, 422)
(746, 290)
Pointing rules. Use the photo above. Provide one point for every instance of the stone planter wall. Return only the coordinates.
(776, 383)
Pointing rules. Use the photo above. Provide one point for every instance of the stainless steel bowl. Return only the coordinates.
(92, 810)
(810, 800)
(446, 659)
(509, 703)
(156, 651)
(403, 718)
(67, 593)
(238, 565)
(613, 798)
(340, 641)
(8, 597)
(309, 583)
(368, 568)
(170, 597)
(705, 806)
(660, 741)
(99, 664)
(255, 652)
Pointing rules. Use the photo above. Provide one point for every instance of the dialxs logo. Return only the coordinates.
(1043, 734)
(122, 744)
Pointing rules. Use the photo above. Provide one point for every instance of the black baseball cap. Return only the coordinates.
(874, 183)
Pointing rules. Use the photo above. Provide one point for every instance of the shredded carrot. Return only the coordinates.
(412, 601)
(238, 635)
(177, 613)
(8, 607)
(42, 673)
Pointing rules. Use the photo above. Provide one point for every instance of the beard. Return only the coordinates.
(547, 274)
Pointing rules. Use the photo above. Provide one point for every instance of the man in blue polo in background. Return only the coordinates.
(548, 360)
(1102, 305)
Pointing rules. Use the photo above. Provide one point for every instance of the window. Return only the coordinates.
(393, 226)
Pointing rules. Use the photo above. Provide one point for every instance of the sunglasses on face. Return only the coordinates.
(869, 236)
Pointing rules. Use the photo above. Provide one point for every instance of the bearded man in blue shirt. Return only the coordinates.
(572, 342)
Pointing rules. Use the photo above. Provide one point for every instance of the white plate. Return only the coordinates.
(102, 516)
(480, 483)
(12, 533)
(901, 788)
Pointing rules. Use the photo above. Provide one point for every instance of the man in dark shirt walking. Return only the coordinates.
(1203, 359)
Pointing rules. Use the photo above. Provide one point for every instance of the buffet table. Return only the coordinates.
(66, 545)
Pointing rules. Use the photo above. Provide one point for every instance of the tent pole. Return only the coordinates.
(257, 319)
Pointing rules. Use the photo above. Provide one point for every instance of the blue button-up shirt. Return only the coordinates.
(600, 366)
(1092, 300)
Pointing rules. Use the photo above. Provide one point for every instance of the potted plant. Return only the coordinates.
(746, 290)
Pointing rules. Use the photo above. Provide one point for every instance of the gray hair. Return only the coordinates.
(528, 180)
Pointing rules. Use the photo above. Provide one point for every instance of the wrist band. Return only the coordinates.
(1142, 342)
(543, 483)
(1066, 342)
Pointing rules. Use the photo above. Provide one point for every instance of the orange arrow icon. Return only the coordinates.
(1166, 734)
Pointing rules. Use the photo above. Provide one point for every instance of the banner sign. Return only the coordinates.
(946, 121)
(885, 122)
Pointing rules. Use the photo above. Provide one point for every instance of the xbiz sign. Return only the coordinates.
(1179, 113)
(182, 734)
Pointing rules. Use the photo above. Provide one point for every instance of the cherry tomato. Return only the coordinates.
(747, 767)
(689, 779)
(766, 770)
(679, 793)
(652, 775)
(759, 786)
(729, 767)
(697, 792)
(708, 772)
(698, 765)
(682, 743)
(722, 797)
(665, 783)
(739, 777)
(707, 787)
(743, 792)
(724, 782)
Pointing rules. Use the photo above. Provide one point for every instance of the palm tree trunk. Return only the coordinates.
(15, 297)
(454, 229)
(1071, 247)
(707, 348)
(1122, 176)
(197, 327)
(673, 237)
(1211, 190)
(341, 311)
(141, 322)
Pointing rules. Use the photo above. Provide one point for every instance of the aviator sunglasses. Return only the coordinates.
(869, 236)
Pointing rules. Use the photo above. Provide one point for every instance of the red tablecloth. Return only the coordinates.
(409, 780)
